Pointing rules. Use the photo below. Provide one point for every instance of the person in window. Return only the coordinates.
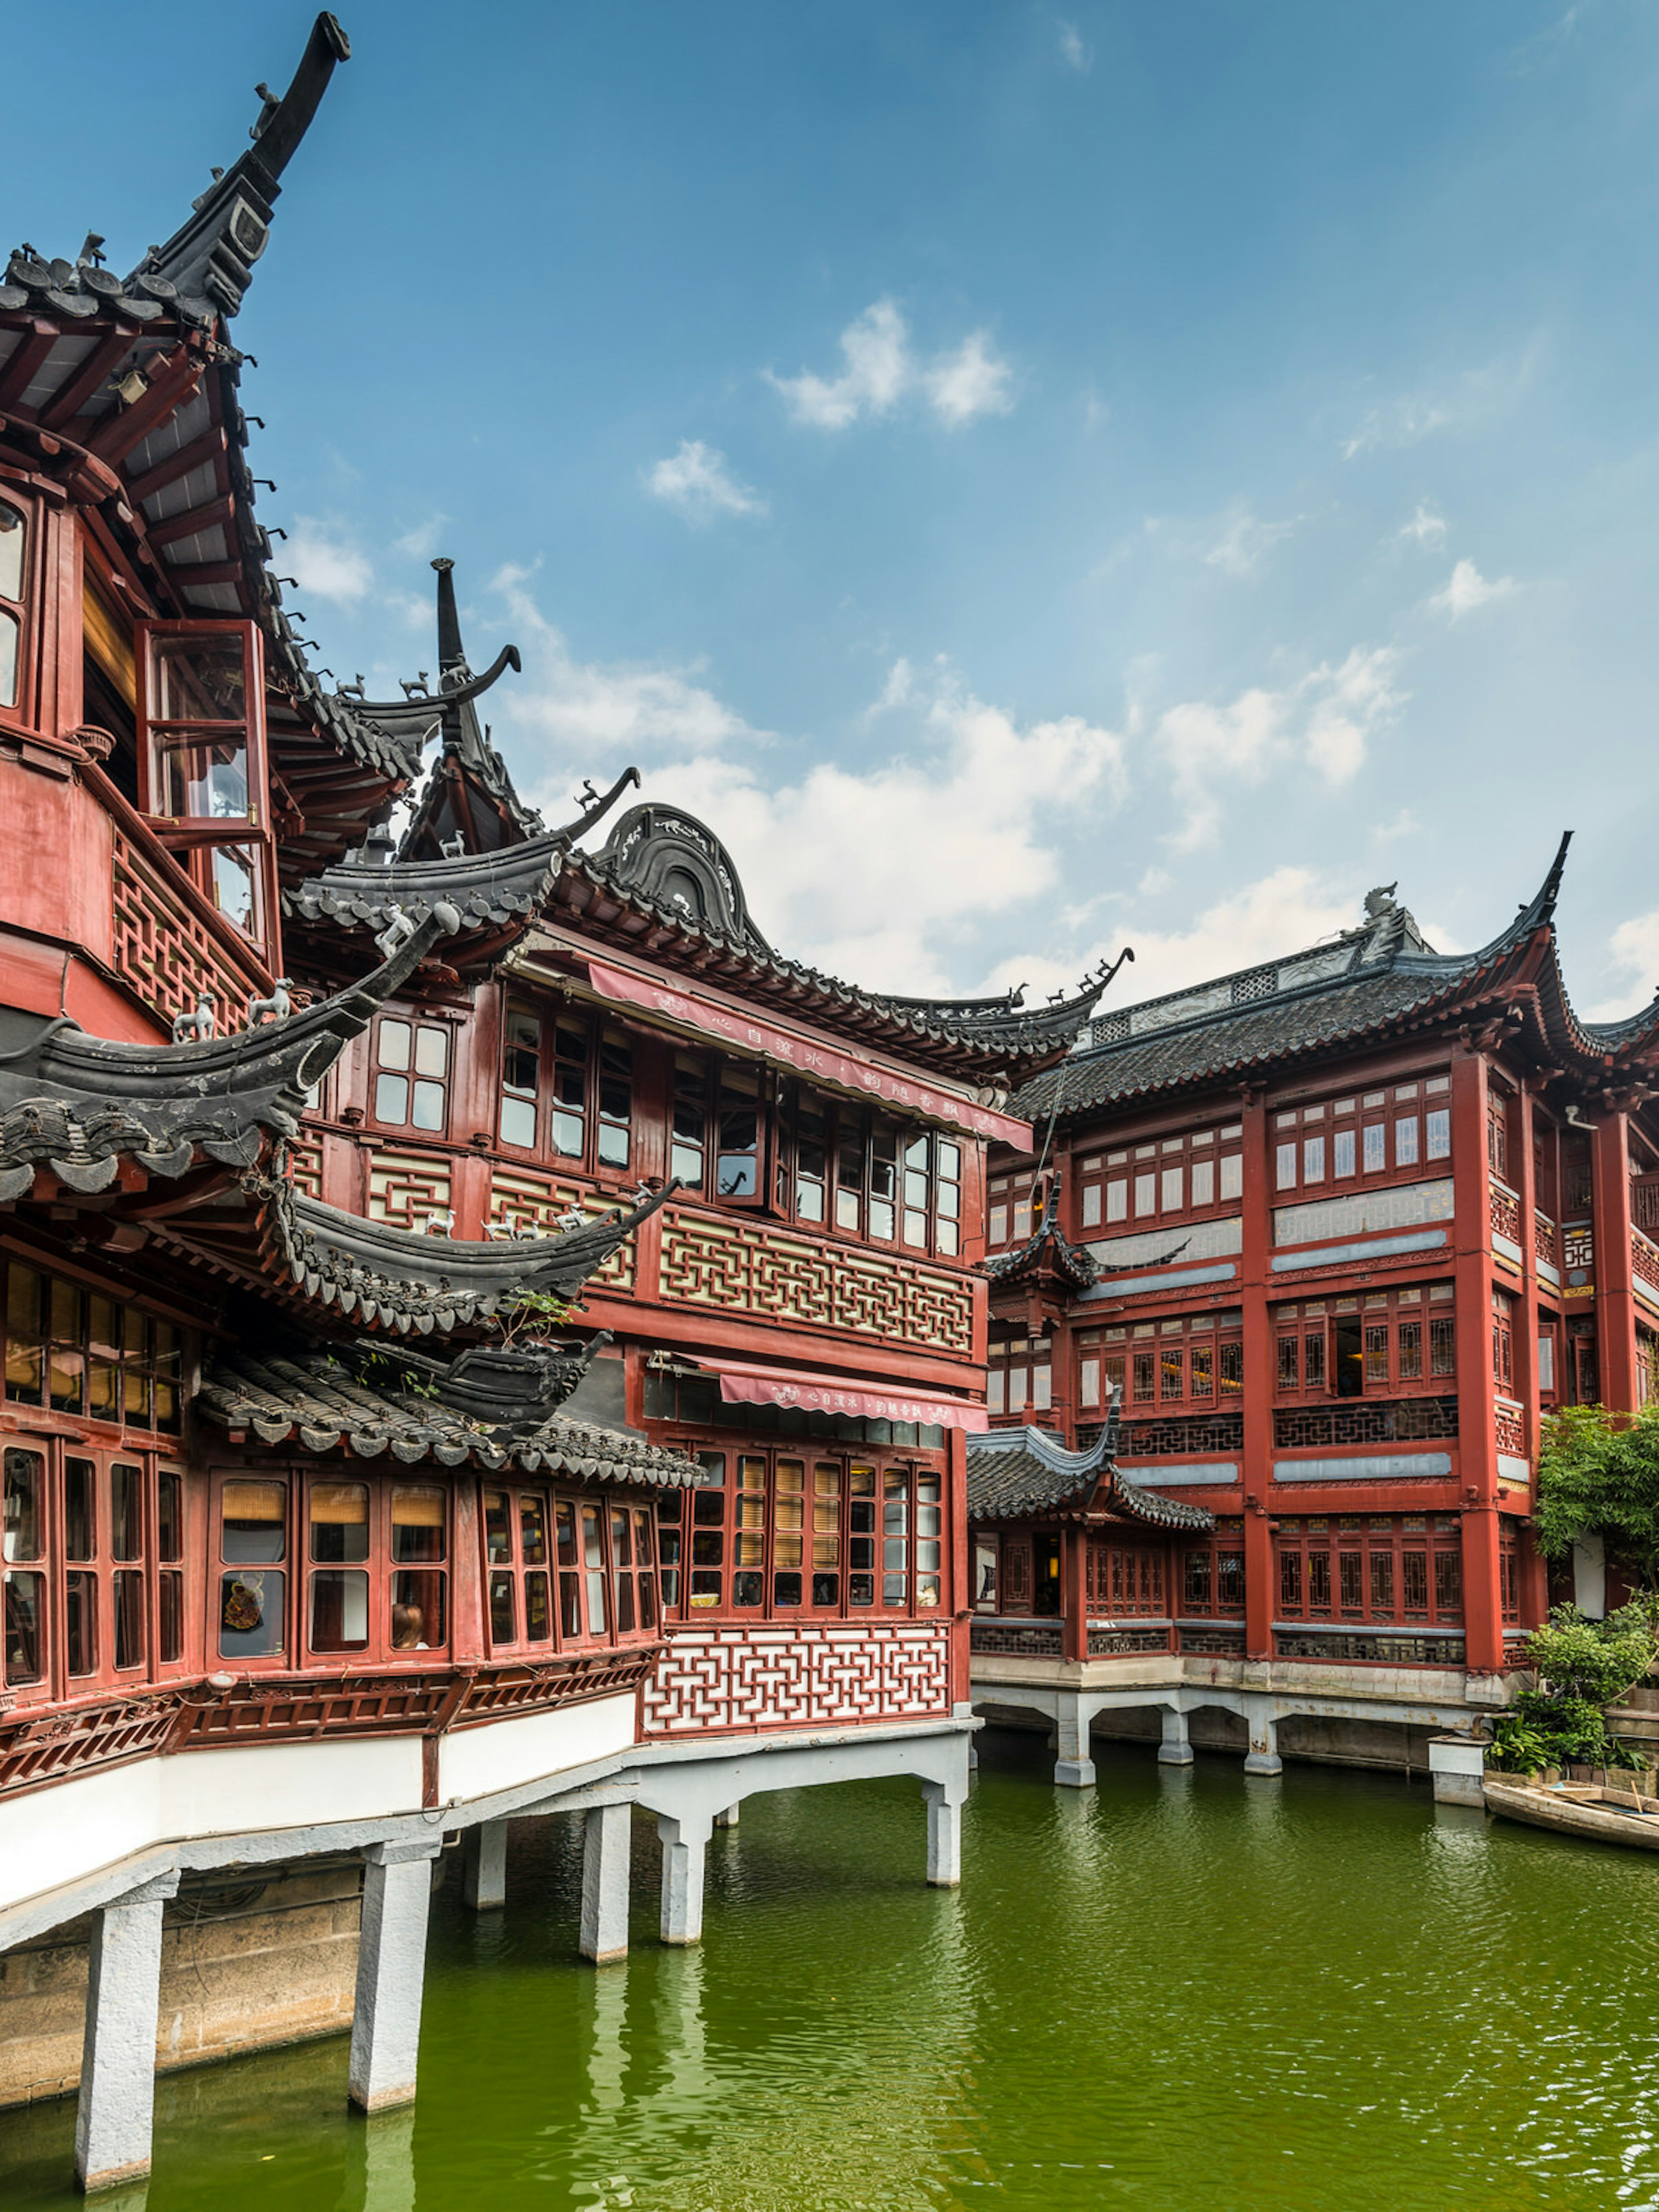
(407, 1622)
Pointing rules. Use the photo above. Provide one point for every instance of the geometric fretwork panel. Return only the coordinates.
(305, 1156)
(530, 1206)
(166, 954)
(744, 1268)
(407, 1188)
(789, 1677)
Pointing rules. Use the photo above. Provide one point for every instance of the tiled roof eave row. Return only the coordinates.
(588, 890)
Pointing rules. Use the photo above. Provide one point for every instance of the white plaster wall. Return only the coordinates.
(58, 1834)
(71, 1829)
(474, 1762)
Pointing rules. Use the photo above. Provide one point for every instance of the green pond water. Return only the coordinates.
(1184, 1992)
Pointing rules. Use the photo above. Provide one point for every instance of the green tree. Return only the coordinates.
(1598, 1475)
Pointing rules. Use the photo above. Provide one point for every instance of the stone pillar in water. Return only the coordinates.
(684, 1843)
(1176, 1749)
(484, 1856)
(114, 2120)
(385, 2026)
(1073, 1769)
(607, 1838)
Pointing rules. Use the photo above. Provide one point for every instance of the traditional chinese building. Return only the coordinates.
(1332, 1235)
(331, 1535)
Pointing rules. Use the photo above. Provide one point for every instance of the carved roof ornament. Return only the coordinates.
(78, 1105)
(212, 255)
(1014, 1474)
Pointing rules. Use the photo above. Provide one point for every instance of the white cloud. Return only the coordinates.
(595, 713)
(1425, 527)
(1404, 824)
(971, 381)
(876, 872)
(1243, 541)
(1281, 913)
(420, 542)
(1402, 423)
(698, 482)
(1072, 51)
(881, 369)
(1633, 952)
(1468, 590)
(1325, 720)
(877, 350)
(326, 563)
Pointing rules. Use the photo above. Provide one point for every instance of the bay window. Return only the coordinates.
(566, 1089)
(203, 771)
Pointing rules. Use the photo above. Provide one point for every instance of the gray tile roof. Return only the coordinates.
(79, 1104)
(1013, 1473)
(322, 1402)
(405, 1280)
(1373, 978)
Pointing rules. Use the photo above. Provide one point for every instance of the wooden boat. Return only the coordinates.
(1576, 1808)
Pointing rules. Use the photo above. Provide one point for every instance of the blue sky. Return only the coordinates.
(1030, 477)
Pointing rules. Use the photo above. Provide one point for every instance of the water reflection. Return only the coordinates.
(1182, 1991)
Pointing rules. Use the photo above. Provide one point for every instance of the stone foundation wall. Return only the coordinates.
(244, 1964)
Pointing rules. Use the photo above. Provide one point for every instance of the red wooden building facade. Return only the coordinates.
(1336, 1233)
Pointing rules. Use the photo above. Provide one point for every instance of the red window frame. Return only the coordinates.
(1354, 1570)
(104, 1562)
(193, 837)
(1399, 1343)
(1150, 1183)
(1211, 1574)
(1126, 1581)
(20, 610)
(412, 1071)
(738, 1557)
(1398, 1131)
(557, 1560)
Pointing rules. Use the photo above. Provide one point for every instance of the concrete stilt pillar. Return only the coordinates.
(385, 2026)
(114, 2118)
(1176, 1749)
(607, 1840)
(684, 1843)
(944, 1835)
(1073, 1769)
(728, 1819)
(1262, 1758)
(484, 1859)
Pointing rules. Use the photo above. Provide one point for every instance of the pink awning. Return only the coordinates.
(837, 1068)
(741, 1385)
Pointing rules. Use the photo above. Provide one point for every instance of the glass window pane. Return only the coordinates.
(80, 1623)
(391, 1099)
(24, 1526)
(170, 1627)
(339, 1523)
(250, 1608)
(428, 1106)
(517, 1122)
(503, 1610)
(8, 673)
(593, 1563)
(81, 1509)
(251, 1521)
(339, 1609)
(532, 1529)
(25, 1598)
(431, 1049)
(199, 679)
(417, 1523)
(392, 1048)
(14, 539)
(126, 1511)
(420, 1600)
(538, 1612)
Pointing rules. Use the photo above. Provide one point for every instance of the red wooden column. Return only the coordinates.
(1074, 1593)
(1534, 1599)
(1483, 1615)
(1526, 1334)
(1257, 1402)
(1615, 1291)
(958, 1589)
